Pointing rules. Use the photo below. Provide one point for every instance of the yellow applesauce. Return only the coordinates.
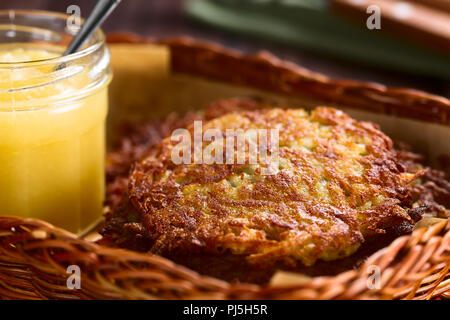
(52, 136)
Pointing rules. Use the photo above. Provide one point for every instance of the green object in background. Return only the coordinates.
(309, 24)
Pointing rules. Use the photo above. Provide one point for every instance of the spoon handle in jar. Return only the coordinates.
(101, 11)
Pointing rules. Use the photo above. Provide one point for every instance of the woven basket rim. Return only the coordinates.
(206, 59)
(34, 254)
(431, 276)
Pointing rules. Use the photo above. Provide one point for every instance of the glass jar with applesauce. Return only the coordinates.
(52, 121)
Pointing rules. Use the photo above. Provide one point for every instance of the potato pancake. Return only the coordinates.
(335, 182)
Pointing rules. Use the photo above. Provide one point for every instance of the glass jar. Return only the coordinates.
(52, 121)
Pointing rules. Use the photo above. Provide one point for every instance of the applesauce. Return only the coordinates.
(52, 128)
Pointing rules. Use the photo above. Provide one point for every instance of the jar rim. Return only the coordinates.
(90, 48)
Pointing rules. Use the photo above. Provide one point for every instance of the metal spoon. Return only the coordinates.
(101, 11)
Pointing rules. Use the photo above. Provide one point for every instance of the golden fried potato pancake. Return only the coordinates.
(336, 182)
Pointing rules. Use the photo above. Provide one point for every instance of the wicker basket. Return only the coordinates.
(34, 256)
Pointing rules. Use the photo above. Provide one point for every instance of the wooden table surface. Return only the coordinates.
(161, 18)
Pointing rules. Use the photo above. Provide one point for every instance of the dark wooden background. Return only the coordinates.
(160, 18)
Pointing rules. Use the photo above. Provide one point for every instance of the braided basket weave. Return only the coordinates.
(34, 256)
